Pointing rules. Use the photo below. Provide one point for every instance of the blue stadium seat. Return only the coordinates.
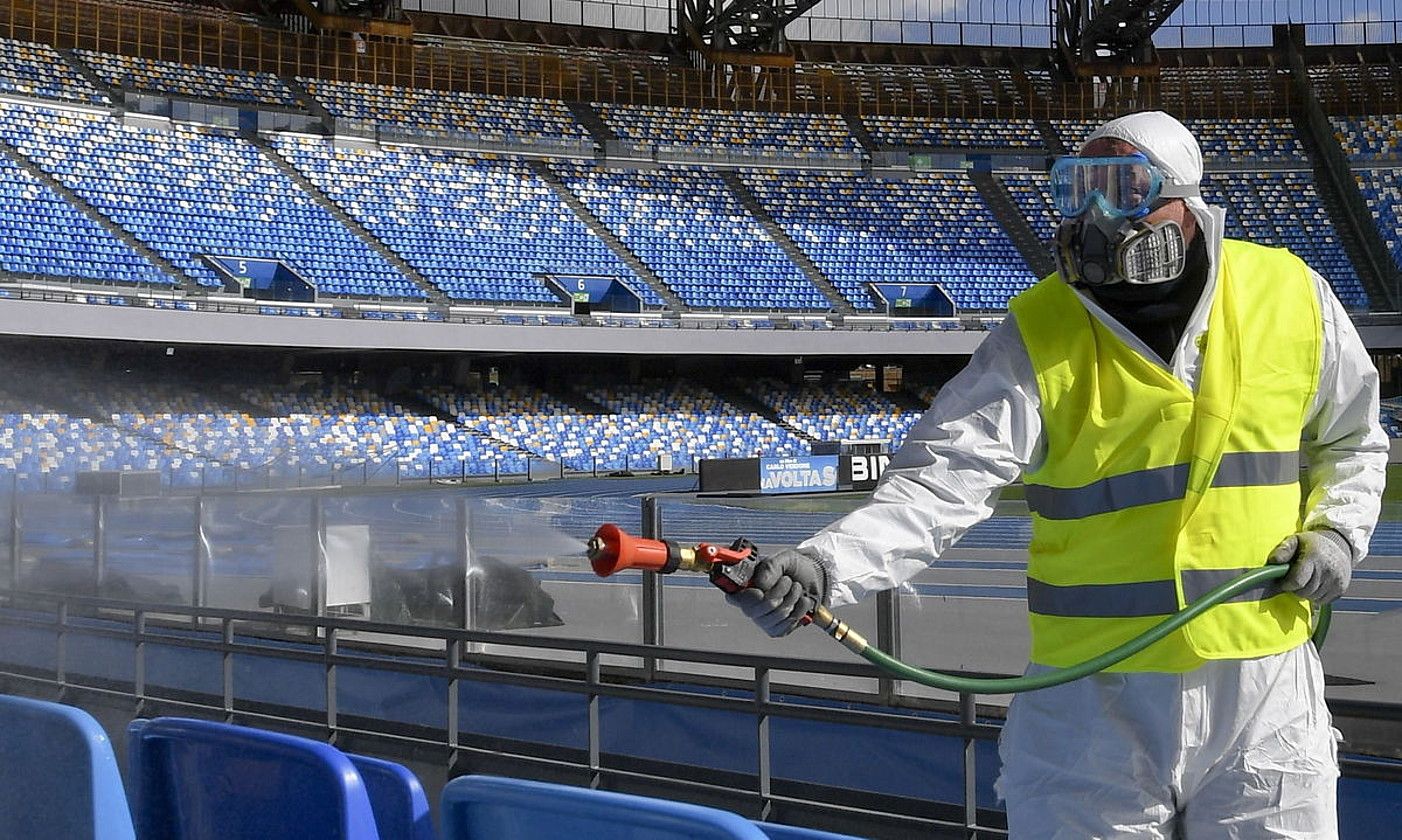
(775, 831)
(496, 808)
(58, 777)
(401, 808)
(199, 780)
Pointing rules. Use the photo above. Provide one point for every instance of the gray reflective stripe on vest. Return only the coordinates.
(1160, 484)
(1133, 600)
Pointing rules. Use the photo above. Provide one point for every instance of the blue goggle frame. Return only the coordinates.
(1125, 186)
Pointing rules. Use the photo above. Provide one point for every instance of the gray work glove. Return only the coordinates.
(1321, 561)
(783, 589)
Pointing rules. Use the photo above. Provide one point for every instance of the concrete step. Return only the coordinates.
(1014, 224)
(182, 281)
(815, 275)
(601, 230)
(434, 293)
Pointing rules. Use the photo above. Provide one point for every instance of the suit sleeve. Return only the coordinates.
(1343, 441)
(980, 433)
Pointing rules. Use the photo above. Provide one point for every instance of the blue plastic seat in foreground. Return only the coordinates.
(58, 777)
(497, 808)
(401, 808)
(199, 780)
(775, 831)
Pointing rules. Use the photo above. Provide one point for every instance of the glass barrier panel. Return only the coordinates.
(8, 499)
(150, 550)
(56, 544)
(529, 571)
(260, 551)
(394, 557)
(696, 614)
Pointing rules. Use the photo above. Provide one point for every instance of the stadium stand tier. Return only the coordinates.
(480, 228)
(38, 70)
(952, 132)
(494, 117)
(41, 233)
(193, 81)
(190, 192)
(485, 228)
(749, 133)
(836, 411)
(930, 228)
(687, 225)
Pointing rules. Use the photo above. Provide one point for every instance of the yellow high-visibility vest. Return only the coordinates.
(1151, 495)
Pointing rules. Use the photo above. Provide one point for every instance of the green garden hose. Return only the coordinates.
(839, 630)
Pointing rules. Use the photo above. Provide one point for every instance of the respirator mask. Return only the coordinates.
(1103, 238)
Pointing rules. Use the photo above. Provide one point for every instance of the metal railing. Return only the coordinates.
(453, 658)
(618, 77)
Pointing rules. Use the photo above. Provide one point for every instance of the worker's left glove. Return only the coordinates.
(783, 589)
(1321, 564)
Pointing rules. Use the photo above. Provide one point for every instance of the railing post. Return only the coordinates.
(329, 648)
(454, 659)
(592, 677)
(99, 543)
(467, 605)
(318, 556)
(16, 533)
(199, 594)
(967, 719)
(139, 665)
(762, 735)
(226, 636)
(61, 651)
(888, 639)
(652, 587)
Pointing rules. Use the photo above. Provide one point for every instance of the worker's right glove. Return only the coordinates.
(1321, 564)
(783, 589)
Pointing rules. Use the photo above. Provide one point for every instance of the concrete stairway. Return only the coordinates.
(183, 282)
(1015, 225)
(859, 131)
(590, 119)
(595, 224)
(781, 237)
(434, 293)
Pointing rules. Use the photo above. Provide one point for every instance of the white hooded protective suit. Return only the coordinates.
(1234, 749)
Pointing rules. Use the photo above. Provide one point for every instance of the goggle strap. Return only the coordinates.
(1167, 190)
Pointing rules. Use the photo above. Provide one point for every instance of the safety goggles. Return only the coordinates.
(1125, 186)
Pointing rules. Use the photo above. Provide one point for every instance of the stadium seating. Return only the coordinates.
(397, 799)
(41, 233)
(58, 775)
(482, 229)
(37, 70)
(199, 780)
(1366, 139)
(775, 831)
(190, 191)
(517, 120)
(836, 410)
(1390, 415)
(198, 82)
(749, 133)
(1244, 139)
(953, 132)
(688, 226)
(1283, 209)
(1033, 197)
(931, 228)
(641, 422)
(491, 807)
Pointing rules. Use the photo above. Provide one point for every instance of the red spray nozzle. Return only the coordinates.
(612, 549)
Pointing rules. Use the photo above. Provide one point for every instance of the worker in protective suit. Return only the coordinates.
(1155, 394)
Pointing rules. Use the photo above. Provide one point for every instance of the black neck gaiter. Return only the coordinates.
(1158, 313)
